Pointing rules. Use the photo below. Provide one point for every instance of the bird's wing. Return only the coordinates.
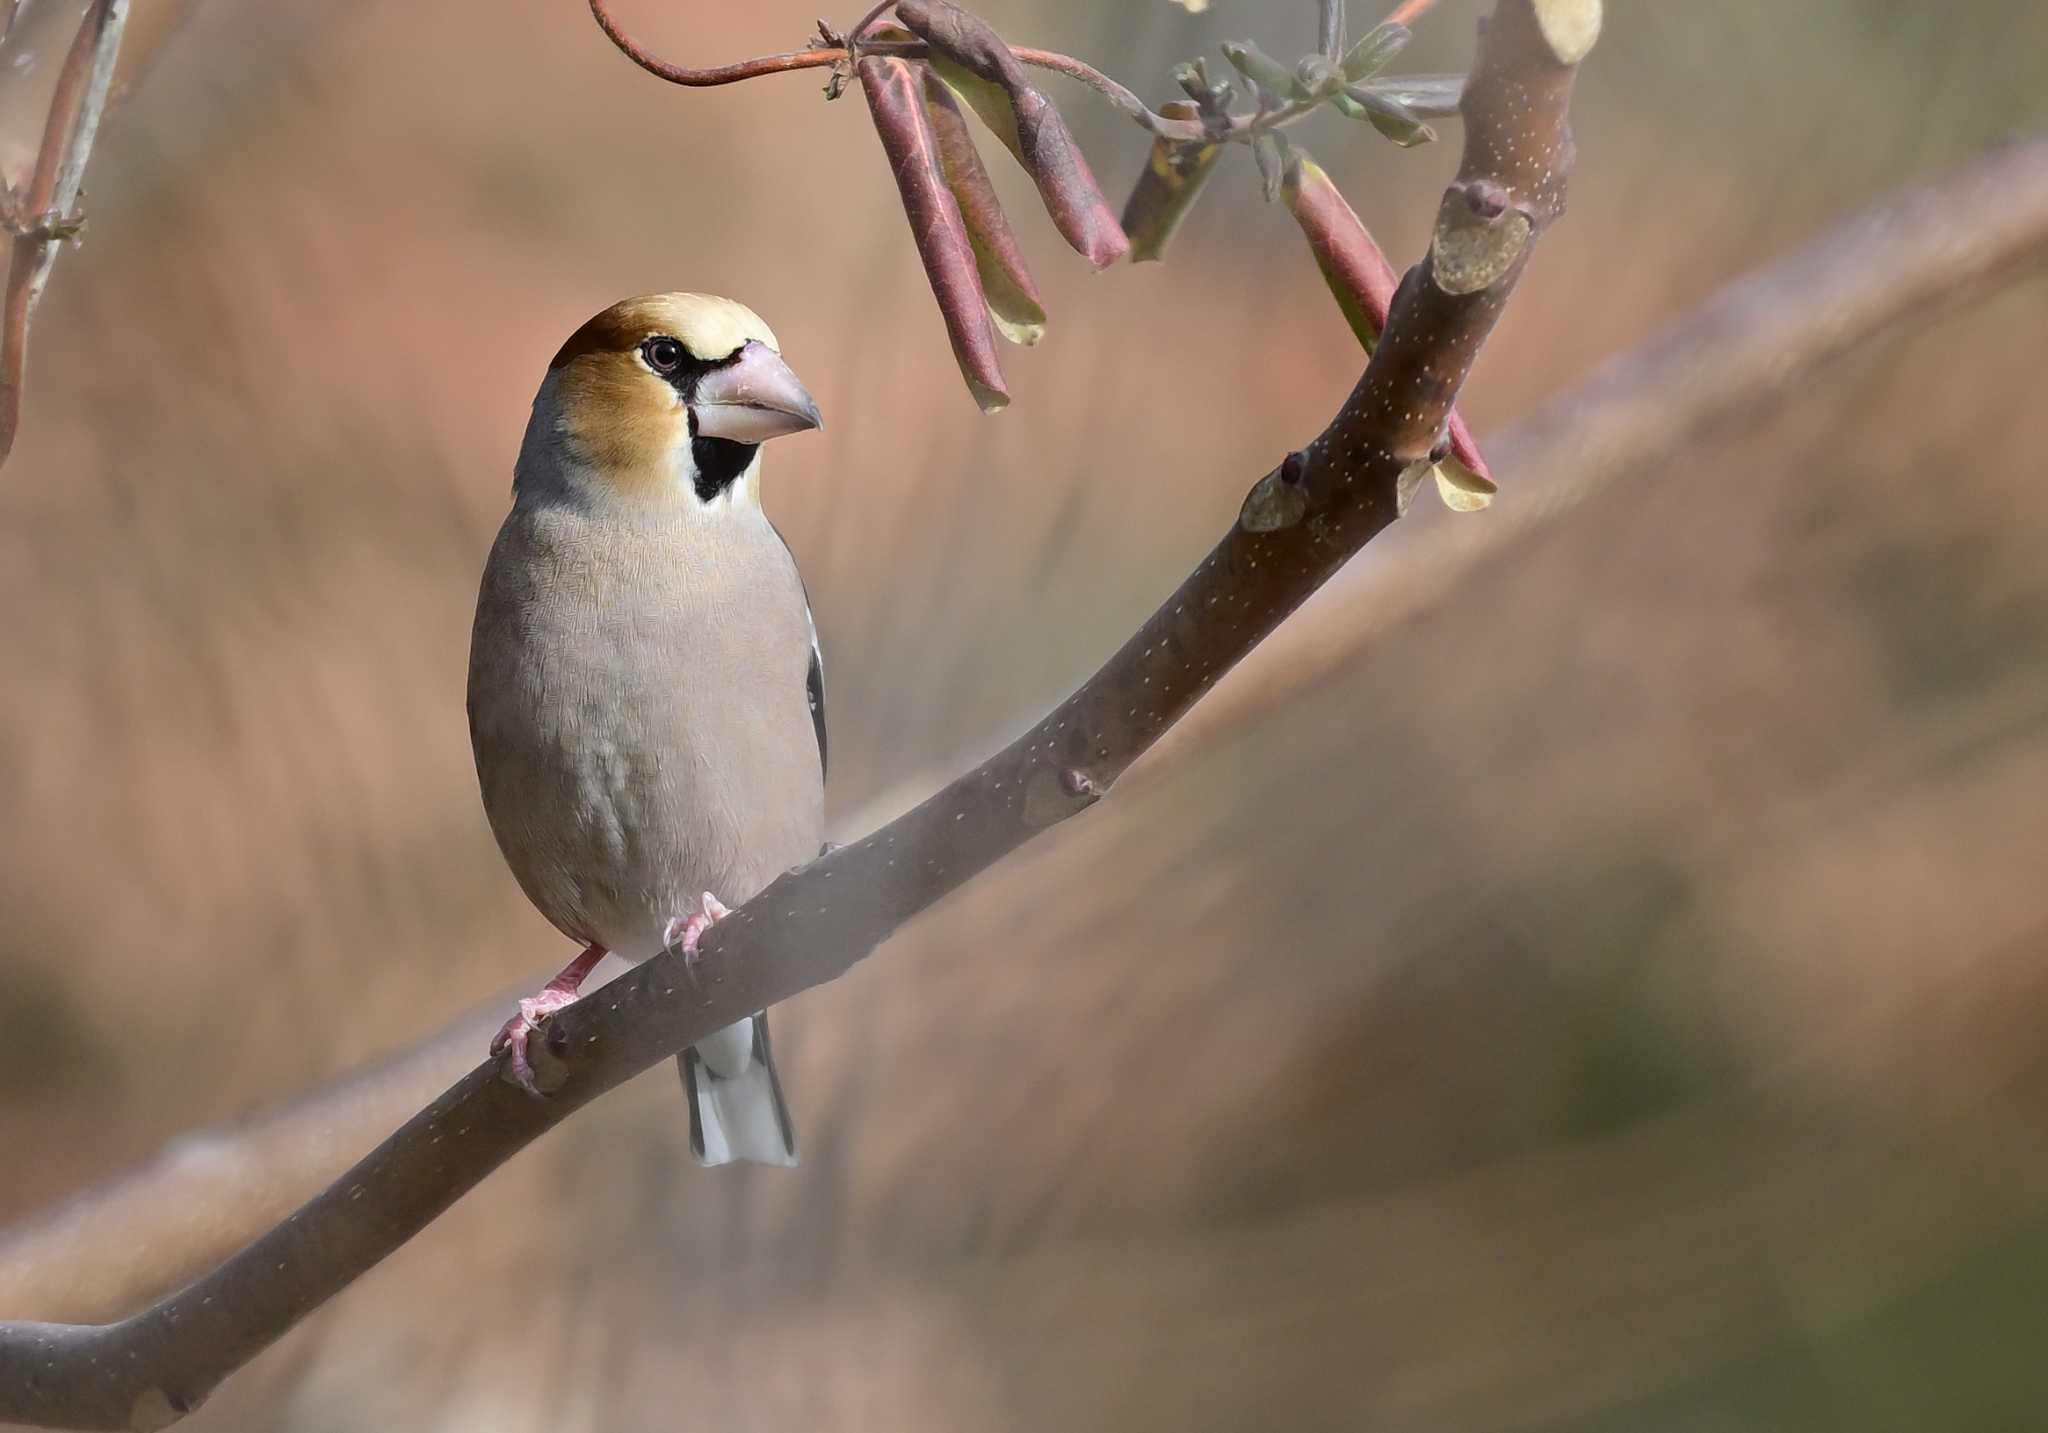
(814, 684)
(814, 680)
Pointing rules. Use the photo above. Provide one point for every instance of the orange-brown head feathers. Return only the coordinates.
(669, 394)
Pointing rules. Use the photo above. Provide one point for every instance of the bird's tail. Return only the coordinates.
(736, 1108)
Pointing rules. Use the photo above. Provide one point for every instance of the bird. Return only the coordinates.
(646, 694)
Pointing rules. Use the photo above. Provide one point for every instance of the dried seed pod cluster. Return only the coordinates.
(895, 96)
(970, 253)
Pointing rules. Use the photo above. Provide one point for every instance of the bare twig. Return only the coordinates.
(1298, 525)
(1109, 89)
(1330, 28)
(1408, 12)
(820, 57)
(867, 21)
(45, 214)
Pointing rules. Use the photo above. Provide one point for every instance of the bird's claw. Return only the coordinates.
(511, 1041)
(684, 932)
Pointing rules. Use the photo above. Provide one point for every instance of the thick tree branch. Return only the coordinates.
(1300, 523)
(213, 1190)
(44, 215)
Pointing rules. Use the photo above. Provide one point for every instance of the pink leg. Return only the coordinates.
(557, 993)
(684, 932)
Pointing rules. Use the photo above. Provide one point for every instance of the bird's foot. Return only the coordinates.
(511, 1041)
(684, 932)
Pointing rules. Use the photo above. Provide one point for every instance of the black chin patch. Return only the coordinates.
(719, 463)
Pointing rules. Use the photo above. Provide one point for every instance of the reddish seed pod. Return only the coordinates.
(1036, 133)
(1359, 276)
(1005, 278)
(896, 103)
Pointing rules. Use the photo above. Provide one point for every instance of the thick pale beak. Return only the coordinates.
(752, 398)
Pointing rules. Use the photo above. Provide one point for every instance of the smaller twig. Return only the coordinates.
(1115, 93)
(45, 214)
(1330, 32)
(867, 21)
(714, 74)
(1408, 11)
(827, 56)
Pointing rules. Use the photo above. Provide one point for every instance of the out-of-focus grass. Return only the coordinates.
(1612, 1003)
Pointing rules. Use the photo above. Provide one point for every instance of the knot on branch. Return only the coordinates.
(1479, 236)
(46, 228)
(1051, 796)
(1277, 500)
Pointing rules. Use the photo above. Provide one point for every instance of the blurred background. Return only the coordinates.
(1613, 1000)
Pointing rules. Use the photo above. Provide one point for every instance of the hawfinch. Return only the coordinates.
(646, 699)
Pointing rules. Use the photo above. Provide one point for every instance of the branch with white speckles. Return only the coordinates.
(1299, 524)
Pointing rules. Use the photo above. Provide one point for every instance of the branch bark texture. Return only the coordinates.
(1301, 522)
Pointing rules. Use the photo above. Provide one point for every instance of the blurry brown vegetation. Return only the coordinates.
(1617, 1002)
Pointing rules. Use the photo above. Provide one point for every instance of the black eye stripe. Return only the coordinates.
(671, 358)
(718, 461)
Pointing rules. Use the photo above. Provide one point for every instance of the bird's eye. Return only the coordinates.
(664, 355)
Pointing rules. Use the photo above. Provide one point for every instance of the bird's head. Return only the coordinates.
(667, 399)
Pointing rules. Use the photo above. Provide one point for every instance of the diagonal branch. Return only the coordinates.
(210, 1191)
(43, 216)
(1299, 524)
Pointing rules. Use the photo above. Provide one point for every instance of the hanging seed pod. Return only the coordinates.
(897, 106)
(1006, 280)
(1363, 283)
(1174, 178)
(1034, 131)
(1359, 276)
